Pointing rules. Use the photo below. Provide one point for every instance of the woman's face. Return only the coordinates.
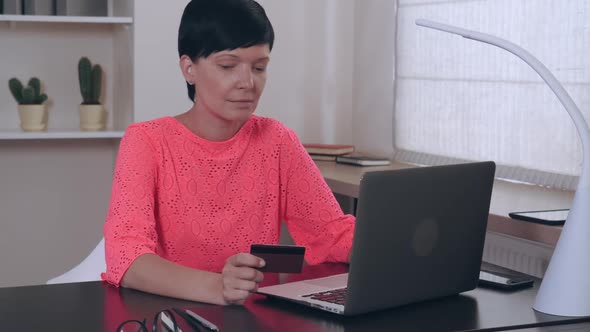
(229, 83)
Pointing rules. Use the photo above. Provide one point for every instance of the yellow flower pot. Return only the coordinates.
(33, 117)
(92, 117)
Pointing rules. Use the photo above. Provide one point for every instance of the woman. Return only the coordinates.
(191, 193)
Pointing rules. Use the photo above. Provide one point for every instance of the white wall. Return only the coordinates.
(310, 76)
(159, 88)
(331, 74)
(374, 70)
(283, 97)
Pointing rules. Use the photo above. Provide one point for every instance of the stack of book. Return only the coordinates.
(362, 160)
(327, 152)
(343, 154)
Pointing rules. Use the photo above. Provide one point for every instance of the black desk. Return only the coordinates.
(97, 306)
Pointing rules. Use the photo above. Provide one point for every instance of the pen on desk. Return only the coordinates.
(196, 321)
(168, 322)
(202, 320)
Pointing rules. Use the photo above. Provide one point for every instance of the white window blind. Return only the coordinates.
(457, 99)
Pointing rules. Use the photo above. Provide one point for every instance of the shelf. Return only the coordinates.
(55, 134)
(66, 19)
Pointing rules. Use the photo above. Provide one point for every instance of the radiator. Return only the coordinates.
(517, 254)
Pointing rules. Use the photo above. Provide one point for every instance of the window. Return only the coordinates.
(458, 99)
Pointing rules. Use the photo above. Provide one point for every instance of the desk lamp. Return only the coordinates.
(565, 289)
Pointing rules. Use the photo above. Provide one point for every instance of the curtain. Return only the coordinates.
(458, 99)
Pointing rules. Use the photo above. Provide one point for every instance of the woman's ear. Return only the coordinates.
(186, 66)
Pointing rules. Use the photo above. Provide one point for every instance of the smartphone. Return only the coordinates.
(504, 281)
(546, 217)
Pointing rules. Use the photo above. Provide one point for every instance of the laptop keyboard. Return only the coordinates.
(337, 296)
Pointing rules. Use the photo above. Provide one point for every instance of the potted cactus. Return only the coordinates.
(31, 110)
(92, 112)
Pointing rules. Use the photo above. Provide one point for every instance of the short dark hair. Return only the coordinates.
(209, 26)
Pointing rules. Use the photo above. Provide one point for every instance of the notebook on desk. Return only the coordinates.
(419, 235)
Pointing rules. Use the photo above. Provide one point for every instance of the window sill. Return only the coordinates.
(506, 197)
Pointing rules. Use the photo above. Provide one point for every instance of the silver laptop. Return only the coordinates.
(419, 235)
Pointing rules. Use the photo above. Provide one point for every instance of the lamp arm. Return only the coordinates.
(546, 75)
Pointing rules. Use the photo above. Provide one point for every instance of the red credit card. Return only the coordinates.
(279, 258)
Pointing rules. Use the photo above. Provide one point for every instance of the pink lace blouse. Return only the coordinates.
(197, 202)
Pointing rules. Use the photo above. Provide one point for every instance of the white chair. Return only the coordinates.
(88, 270)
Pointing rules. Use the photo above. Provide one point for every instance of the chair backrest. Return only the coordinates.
(88, 270)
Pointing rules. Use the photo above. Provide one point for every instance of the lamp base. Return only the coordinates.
(565, 289)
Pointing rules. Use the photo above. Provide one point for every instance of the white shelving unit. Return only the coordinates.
(56, 184)
(49, 47)
(54, 134)
(65, 19)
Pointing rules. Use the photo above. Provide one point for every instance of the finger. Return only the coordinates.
(233, 282)
(244, 259)
(246, 285)
(235, 296)
(259, 277)
(246, 273)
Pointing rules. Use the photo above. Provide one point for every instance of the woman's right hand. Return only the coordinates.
(240, 277)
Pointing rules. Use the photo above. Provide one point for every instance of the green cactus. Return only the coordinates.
(90, 79)
(30, 95)
(36, 85)
(84, 77)
(96, 82)
(42, 98)
(16, 88)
